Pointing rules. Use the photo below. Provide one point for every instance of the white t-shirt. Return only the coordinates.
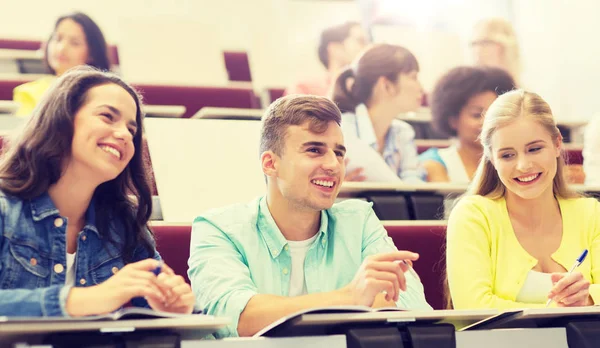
(298, 250)
(70, 275)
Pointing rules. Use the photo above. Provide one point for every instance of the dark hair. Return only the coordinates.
(293, 110)
(455, 88)
(34, 159)
(337, 33)
(98, 51)
(379, 60)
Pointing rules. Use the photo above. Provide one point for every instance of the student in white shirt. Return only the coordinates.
(381, 84)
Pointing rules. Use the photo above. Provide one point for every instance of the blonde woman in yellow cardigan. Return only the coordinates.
(512, 238)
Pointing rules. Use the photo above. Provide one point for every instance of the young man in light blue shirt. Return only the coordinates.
(294, 249)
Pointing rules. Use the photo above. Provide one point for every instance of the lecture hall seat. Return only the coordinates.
(238, 68)
(173, 245)
(7, 86)
(196, 97)
(33, 45)
(429, 242)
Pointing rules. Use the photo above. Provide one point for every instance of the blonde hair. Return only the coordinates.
(501, 31)
(506, 109)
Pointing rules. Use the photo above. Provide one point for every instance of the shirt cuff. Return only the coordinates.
(233, 309)
(54, 301)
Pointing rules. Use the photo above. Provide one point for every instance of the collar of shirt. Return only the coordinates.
(273, 237)
(366, 132)
(43, 207)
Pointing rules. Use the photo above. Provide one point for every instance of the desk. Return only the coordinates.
(34, 332)
(19, 61)
(330, 341)
(427, 201)
(172, 111)
(215, 113)
(517, 338)
(8, 107)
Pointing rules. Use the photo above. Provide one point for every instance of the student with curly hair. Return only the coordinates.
(459, 101)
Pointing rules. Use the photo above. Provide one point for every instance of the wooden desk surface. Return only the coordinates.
(7, 53)
(172, 111)
(209, 112)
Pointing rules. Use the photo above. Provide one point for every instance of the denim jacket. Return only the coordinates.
(33, 257)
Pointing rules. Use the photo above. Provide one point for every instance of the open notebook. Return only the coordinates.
(130, 313)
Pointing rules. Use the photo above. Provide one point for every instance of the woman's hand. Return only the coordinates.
(179, 295)
(570, 290)
(133, 280)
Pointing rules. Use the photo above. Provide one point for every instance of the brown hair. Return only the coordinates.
(337, 33)
(377, 61)
(293, 110)
(453, 91)
(34, 160)
(97, 48)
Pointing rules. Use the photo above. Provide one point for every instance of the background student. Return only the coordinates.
(74, 205)
(380, 85)
(591, 152)
(512, 238)
(494, 44)
(458, 103)
(76, 40)
(338, 46)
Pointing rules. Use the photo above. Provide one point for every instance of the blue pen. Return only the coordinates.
(578, 262)
(158, 268)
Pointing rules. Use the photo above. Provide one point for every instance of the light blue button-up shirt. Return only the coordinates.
(399, 150)
(238, 251)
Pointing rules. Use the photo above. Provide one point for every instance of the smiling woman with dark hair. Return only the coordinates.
(76, 40)
(74, 207)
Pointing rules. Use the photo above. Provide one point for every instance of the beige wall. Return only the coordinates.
(557, 38)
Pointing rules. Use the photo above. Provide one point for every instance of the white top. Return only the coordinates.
(298, 250)
(455, 168)
(70, 275)
(399, 150)
(536, 288)
(591, 152)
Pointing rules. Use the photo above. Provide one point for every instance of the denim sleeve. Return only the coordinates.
(377, 241)
(219, 275)
(41, 302)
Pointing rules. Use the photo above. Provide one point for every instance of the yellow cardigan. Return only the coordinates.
(486, 264)
(29, 94)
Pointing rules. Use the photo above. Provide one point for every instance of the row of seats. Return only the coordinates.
(429, 241)
(192, 97)
(236, 62)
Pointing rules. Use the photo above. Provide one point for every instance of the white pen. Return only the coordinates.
(578, 262)
(410, 269)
